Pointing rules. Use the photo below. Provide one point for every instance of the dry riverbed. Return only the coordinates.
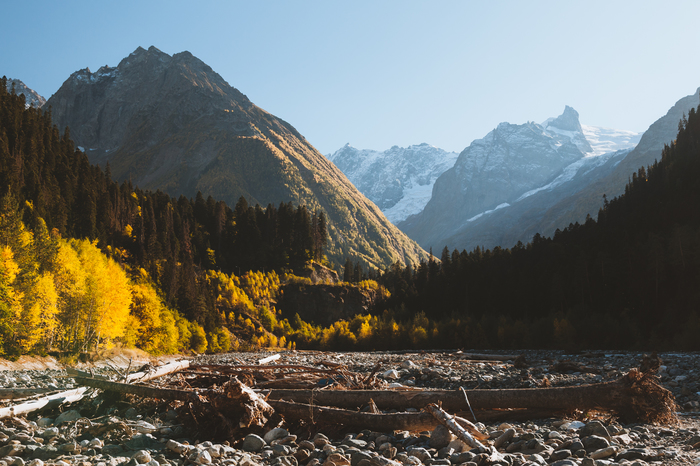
(103, 430)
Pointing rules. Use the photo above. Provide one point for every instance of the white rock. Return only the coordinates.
(408, 364)
(573, 425)
(144, 427)
(141, 457)
(391, 374)
(200, 457)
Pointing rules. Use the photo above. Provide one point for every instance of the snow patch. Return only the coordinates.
(498, 207)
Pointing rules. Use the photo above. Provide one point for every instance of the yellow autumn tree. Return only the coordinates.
(94, 296)
(153, 323)
(10, 302)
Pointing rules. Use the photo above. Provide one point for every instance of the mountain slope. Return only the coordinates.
(31, 97)
(399, 180)
(590, 199)
(494, 172)
(172, 123)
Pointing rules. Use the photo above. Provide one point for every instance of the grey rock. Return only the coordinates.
(45, 452)
(421, 453)
(112, 450)
(440, 437)
(275, 434)
(67, 416)
(560, 455)
(594, 428)
(603, 453)
(566, 462)
(353, 442)
(281, 450)
(359, 456)
(285, 461)
(594, 442)
(253, 443)
(504, 438)
(144, 442)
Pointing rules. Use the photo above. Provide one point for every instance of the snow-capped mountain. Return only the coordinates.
(31, 97)
(399, 180)
(513, 174)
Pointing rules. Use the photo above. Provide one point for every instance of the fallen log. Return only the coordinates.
(17, 393)
(274, 357)
(159, 371)
(248, 367)
(488, 357)
(312, 414)
(143, 391)
(48, 402)
(634, 397)
(448, 421)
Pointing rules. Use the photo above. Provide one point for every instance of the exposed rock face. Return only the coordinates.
(318, 273)
(494, 172)
(399, 180)
(325, 304)
(589, 199)
(572, 194)
(172, 123)
(32, 98)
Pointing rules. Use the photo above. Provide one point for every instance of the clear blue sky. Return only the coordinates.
(382, 73)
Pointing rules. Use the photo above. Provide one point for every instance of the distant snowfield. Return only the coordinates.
(416, 174)
(413, 201)
(604, 140)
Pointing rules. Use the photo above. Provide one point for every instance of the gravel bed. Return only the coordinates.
(102, 432)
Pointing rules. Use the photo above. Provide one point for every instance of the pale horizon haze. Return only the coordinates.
(378, 74)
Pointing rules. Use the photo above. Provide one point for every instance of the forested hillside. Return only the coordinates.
(631, 279)
(88, 262)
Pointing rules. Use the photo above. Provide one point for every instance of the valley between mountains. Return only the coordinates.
(153, 205)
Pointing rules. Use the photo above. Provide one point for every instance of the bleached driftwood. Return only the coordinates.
(159, 371)
(274, 357)
(50, 401)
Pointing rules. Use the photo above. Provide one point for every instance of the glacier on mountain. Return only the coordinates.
(509, 167)
(399, 180)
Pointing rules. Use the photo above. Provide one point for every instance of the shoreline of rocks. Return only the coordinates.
(102, 432)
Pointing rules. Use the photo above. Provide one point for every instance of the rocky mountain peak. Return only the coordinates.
(567, 121)
(172, 123)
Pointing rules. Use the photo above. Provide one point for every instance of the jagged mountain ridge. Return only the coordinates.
(399, 180)
(590, 198)
(493, 172)
(31, 97)
(172, 123)
(577, 191)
